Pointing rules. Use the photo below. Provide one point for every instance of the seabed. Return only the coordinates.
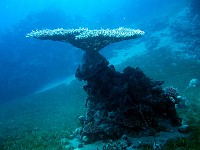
(47, 120)
(40, 121)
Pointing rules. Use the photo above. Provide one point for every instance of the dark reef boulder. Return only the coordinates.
(119, 103)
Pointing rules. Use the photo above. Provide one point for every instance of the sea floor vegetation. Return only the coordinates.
(42, 121)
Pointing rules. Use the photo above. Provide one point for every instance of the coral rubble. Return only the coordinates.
(117, 103)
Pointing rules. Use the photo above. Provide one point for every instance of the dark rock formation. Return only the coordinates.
(122, 103)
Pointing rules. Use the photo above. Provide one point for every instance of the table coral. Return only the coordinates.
(86, 39)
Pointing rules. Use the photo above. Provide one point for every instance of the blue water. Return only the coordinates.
(27, 64)
(32, 117)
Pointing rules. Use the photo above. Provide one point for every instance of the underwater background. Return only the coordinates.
(40, 99)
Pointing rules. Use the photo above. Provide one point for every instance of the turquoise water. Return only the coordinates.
(40, 100)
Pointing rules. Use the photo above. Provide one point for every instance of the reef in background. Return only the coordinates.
(118, 104)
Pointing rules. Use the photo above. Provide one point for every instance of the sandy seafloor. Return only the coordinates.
(41, 120)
